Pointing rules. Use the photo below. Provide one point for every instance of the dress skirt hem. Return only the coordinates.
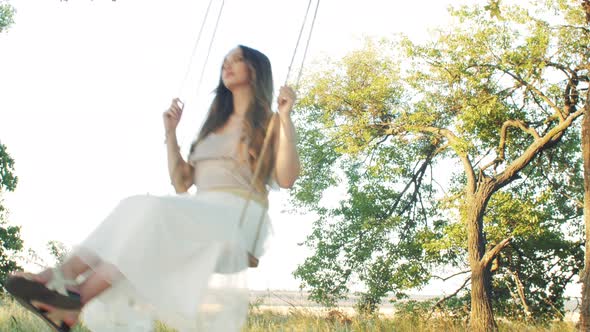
(181, 260)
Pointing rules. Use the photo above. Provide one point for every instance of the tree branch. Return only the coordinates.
(567, 71)
(441, 301)
(452, 275)
(572, 27)
(504, 132)
(531, 87)
(538, 145)
(541, 107)
(417, 179)
(492, 253)
(520, 291)
(454, 140)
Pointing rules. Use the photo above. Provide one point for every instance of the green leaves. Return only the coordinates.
(6, 15)
(357, 97)
(494, 8)
(382, 126)
(10, 241)
(8, 180)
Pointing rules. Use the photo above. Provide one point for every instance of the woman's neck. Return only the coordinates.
(242, 100)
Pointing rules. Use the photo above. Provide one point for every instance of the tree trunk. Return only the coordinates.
(584, 323)
(482, 316)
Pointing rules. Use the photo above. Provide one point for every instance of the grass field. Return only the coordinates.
(15, 319)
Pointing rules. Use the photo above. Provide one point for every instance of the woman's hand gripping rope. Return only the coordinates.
(172, 116)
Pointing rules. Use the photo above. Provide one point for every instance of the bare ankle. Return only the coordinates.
(45, 276)
(68, 273)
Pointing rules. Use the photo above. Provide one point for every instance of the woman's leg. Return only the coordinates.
(100, 279)
(71, 269)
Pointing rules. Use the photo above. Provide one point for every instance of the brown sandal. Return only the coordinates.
(53, 318)
(54, 293)
(29, 292)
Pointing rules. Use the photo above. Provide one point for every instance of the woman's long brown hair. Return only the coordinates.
(257, 117)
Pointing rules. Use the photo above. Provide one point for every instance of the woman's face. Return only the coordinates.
(235, 71)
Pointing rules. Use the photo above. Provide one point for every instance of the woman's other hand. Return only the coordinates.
(172, 115)
(285, 100)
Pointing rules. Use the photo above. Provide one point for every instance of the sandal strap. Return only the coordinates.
(58, 283)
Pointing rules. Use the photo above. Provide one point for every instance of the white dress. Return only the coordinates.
(182, 259)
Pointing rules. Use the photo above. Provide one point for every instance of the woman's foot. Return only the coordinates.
(48, 296)
(55, 290)
(45, 277)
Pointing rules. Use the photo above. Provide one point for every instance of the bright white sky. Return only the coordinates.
(83, 85)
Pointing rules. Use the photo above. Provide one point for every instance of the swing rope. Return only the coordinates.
(315, 14)
(297, 44)
(195, 47)
(210, 44)
(306, 45)
(190, 63)
(252, 260)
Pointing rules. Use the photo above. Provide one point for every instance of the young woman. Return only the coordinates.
(182, 258)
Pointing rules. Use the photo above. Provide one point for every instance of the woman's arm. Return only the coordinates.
(180, 171)
(287, 165)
